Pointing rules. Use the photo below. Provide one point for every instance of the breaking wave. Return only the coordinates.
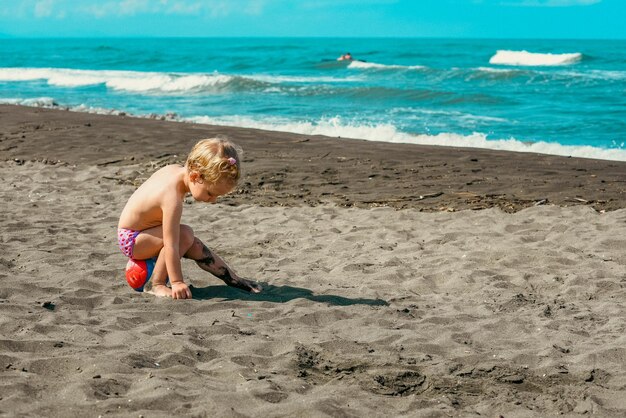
(525, 58)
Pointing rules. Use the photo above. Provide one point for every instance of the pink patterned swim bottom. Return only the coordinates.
(126, 240)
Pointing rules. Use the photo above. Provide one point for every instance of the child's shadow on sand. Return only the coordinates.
(279, 294)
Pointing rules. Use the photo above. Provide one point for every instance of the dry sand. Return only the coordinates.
(377, 302)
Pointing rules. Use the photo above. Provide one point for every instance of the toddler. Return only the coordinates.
(149, 225)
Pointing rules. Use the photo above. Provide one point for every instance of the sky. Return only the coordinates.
(544, 19)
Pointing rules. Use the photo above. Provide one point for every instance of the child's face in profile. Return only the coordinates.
(204, 191)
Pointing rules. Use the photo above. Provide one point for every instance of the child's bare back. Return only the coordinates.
(144, 209)
(149, 225)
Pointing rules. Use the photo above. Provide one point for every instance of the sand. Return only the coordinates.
(385, 293)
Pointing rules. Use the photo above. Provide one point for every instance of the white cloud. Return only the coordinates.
(44, 8)
(98, 10)
(551, 3)
(181, 7)
(118, 7)
(255, 7)
(131, 7)
(324, 4)
(214, 8)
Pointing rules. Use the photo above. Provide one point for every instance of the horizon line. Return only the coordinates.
(14, 37)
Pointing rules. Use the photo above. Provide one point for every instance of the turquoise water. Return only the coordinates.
(557, 97)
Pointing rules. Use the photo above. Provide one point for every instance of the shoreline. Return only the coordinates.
(398, 137)
(292, 169)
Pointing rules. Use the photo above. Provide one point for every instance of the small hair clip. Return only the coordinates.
(231, 161)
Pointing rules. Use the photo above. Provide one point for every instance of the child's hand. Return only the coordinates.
(180, 290)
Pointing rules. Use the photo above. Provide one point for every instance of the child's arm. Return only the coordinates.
(172, 211)
(212, 263)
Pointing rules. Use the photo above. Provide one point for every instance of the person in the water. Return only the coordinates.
(345, 57)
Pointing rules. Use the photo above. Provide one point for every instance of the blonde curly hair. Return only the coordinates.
(215, 159)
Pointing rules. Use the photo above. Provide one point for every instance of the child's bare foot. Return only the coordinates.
(161, 291)
(244, 284)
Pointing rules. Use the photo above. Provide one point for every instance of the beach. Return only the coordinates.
(399, 279)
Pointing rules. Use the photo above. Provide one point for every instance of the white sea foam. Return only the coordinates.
(362, 65)
(169, 83)
(579, 75)
(608, 75)
(420, 114)
(279, 79)
(496, 70)
(49, 102)
(596, 75)
(525, 58)
(337, 127)
(503, 71)
(33, 102)
(153, 82)
(134, 81)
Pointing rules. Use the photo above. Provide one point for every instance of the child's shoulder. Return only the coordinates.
(166, 175)
(165, 181)
(169, 171)
(172, 167)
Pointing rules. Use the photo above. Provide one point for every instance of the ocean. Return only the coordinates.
(548, 96)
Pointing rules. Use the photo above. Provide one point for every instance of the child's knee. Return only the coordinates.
(197, 247)
(195, 250)
(187, 238)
